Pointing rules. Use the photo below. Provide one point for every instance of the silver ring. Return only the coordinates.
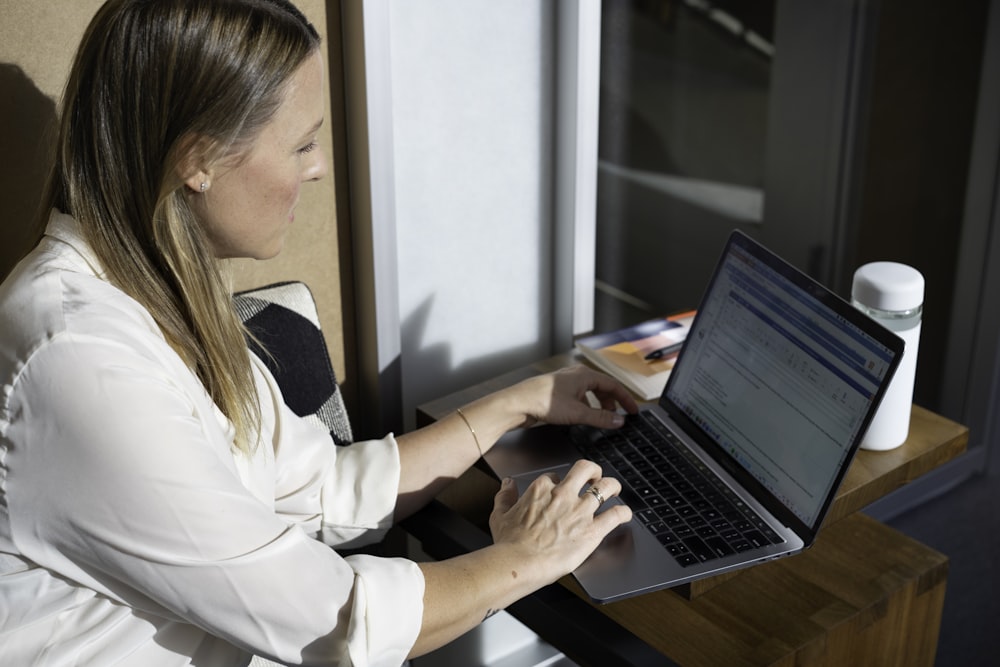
(597, 494)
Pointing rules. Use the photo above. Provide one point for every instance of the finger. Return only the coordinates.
(612, 517)
(609, 486)
(605, 385)
(608, 403)
(539, 487)
(602, 490)
(614, 395)
(593, 491)
(596, 417)
(506, 496)
(582, 473)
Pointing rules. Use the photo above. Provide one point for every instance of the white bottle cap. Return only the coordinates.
(888, 286)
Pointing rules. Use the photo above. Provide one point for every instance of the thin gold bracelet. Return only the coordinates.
(471, 430)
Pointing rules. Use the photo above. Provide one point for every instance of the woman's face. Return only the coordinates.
(248, 206)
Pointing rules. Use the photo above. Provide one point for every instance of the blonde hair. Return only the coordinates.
(153, 78)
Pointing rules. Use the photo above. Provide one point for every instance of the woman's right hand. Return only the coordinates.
(552, 524)
(538, 538)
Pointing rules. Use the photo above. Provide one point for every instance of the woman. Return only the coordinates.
(158, 503)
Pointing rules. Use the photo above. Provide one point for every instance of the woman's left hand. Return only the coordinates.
(433, 455)
(562, 397)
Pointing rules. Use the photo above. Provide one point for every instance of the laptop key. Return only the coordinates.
(667, 538)
(731, 534)
(721, 525)
(644, 491)
(711, 514)
(686, 560)
(706, 531)
(657, 527)
(772, 536)
(647, 516)
(630, 476)
(699, 548)
(632, 499)
(677, 549)
(719, 546)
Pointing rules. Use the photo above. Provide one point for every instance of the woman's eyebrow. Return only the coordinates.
(312, 130)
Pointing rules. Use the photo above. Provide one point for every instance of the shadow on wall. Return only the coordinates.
(27, 133)
(434, 369)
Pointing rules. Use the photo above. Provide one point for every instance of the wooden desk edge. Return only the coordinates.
(934, 440)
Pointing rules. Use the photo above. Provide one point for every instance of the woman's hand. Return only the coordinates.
(562, 397)
(553, 524)
(538, 538)
(432, 456)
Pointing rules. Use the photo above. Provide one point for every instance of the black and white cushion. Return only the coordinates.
(284, 320)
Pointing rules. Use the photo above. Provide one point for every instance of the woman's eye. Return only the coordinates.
(308, 148)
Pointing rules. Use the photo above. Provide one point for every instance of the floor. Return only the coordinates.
(964, 524)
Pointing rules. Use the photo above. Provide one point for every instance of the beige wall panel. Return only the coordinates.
(37, 43)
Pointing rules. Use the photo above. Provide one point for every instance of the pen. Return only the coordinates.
(663, 351)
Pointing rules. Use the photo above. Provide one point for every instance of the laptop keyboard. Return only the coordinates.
(693, 514)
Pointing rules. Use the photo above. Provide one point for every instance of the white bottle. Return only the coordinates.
(893, 295)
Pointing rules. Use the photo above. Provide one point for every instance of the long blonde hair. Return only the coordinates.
(150, 77)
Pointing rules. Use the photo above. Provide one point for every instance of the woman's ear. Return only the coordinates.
(192, 167)
(199, 182)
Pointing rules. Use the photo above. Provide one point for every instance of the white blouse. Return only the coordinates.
(132, 532)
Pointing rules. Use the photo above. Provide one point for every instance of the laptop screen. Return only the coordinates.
(780, 373)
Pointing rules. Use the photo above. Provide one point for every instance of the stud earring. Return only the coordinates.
(204, 186)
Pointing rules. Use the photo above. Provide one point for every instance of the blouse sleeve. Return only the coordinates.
(120, 478)
(345, 496)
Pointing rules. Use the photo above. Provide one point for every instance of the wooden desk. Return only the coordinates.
(864, 594)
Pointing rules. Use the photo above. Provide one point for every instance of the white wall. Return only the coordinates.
(472, 100)
(472, 205)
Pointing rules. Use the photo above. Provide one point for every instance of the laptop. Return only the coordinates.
(755, 429)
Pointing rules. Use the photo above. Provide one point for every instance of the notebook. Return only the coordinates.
(766, 406)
